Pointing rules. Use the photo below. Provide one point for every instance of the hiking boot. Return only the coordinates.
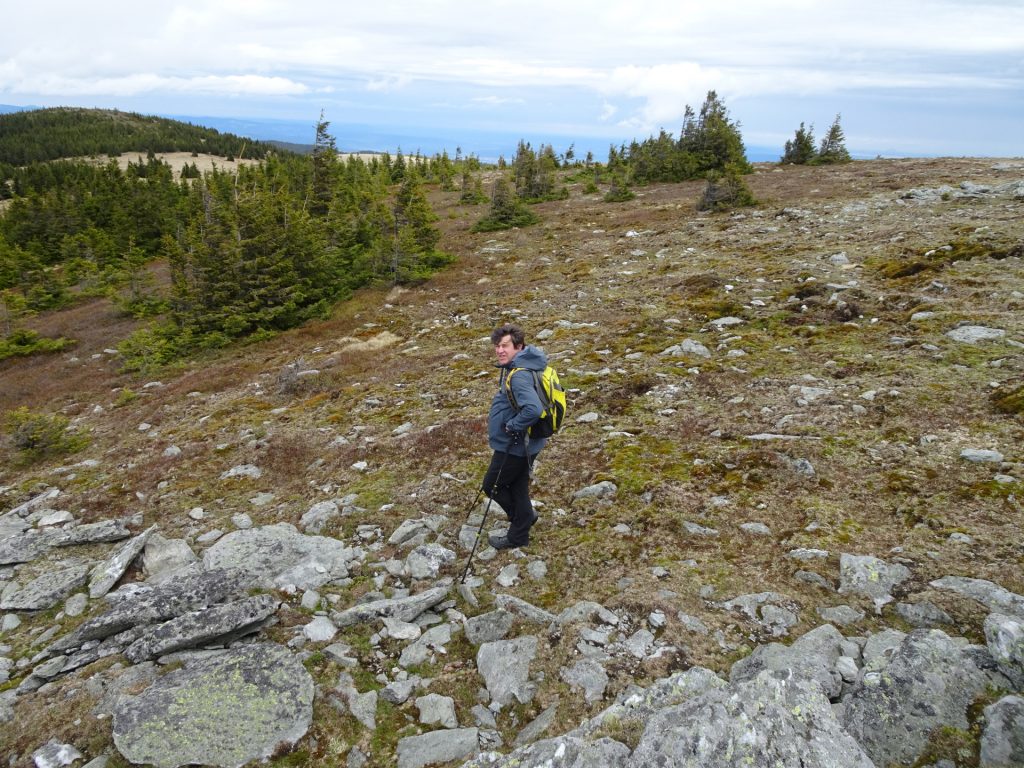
(501, 542)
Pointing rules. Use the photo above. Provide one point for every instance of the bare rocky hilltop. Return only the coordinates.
(781, 527)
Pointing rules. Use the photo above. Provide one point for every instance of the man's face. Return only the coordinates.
(505, 350)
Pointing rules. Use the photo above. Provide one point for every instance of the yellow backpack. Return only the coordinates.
(552, 400)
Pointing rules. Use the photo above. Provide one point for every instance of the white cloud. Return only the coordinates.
(638, 62)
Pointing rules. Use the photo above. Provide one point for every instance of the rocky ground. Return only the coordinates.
(798, 424)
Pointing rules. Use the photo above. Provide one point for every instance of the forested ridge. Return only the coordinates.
(41, 135)
(250, 250)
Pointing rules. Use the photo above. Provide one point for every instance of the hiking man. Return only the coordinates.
(507, 480)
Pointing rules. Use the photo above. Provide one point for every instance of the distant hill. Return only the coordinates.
(42, 135)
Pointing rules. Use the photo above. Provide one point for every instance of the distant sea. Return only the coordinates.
(360, 137)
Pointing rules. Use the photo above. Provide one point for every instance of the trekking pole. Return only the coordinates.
(487, 509)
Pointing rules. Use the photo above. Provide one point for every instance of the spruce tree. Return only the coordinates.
(324, 155)
(800, 150)
(833, 146)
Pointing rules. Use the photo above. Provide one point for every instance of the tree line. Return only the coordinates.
(42, 135)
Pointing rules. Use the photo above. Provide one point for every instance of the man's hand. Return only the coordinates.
(515, 434)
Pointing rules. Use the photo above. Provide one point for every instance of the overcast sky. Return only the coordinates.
(911, 77)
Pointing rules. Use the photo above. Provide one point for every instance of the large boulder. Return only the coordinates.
(929, 682)
(278, 556)
(221, 709)
(773, 720)
(505, 667)
(812, 656)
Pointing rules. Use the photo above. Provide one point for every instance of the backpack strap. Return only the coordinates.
(538, 386)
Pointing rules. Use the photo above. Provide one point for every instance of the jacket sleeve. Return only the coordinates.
(529, 403)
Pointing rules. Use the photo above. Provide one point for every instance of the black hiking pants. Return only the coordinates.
(511, 489)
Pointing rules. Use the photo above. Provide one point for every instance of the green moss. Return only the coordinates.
(1009, 398)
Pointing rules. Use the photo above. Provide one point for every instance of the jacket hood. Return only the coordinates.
(531, 358)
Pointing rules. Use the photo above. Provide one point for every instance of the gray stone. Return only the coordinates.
(164, 557)
(563, 752)
(399, 691)
(993, 596)
(278, 556)
(813, 656)
(930, 682)
(319, 516)
(1005, 638)
(24, 547)
(505, 667)
(488, 627)
(974, 334)
(772, 720)
(588, 675)
(923, 614)
(1002, 741)
(437, 747)
(587, 610)
(640, 643)
(320, 630)
(54, 754)
(155, 604)
(105, 575)
(756, 529)
(879, 647)
(363, 706)
(223, 709)
(401, 630)
(699, 530)
(403, 608)
(76, 604)
(437, 710)
(408, 530)
(537, 570)
(103, 532)
(250, 471)
(434, 639)
(427, 560)
(520, 607)
(44, 591)
(210, 625)
(508, 576)
(536, 727)
(602, 490)
(843, 615)
(981, 456)
(775, 612)
(56, 517)
(871, 577)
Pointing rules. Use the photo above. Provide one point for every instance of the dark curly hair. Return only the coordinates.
(508, 329)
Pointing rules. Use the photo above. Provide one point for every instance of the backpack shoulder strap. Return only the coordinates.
(538, 386)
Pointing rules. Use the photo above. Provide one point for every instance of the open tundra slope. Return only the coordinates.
(804, 412)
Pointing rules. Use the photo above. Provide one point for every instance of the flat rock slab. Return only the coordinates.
(437, 747)
(279, 556)
(105, 575)
(229, 620)
(44, 591)
(225, 709)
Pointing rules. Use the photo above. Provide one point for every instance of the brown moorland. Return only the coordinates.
(834, 412)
